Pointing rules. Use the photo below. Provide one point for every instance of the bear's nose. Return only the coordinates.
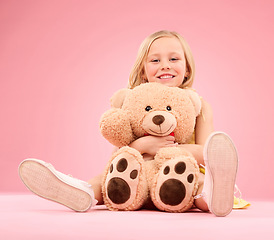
(158, 119)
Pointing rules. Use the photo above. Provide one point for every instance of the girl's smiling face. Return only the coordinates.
(165, 62)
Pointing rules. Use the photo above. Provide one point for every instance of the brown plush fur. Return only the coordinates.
(154, 109)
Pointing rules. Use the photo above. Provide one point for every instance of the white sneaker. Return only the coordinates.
(42, 179)
(221, 164)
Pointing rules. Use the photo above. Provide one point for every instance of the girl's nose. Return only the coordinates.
(165, 65)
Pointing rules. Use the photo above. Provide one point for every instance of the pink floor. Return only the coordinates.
(30, 217)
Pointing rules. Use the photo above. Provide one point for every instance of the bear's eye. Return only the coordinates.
(168, 108)
(148, 108)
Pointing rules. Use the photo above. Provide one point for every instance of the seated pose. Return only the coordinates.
(164, 57)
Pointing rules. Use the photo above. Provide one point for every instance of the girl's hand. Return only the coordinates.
(152, 144)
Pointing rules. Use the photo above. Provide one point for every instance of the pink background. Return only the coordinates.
(60, 62)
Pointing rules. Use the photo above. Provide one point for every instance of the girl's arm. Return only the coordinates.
(151, 144)
(204, 127)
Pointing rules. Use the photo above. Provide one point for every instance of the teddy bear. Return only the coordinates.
(170, 178)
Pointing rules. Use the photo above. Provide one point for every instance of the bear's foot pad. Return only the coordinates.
(124, 187)
(175, 185)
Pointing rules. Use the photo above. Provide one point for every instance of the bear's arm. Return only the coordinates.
(115, 127)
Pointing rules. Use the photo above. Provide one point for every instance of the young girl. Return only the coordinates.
(163, 57)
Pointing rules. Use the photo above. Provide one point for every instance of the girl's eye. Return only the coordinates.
(168, 108)
(173, 59)
(155, 60)
(148, 108)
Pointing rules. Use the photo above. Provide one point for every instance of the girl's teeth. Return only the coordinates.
(166, 76)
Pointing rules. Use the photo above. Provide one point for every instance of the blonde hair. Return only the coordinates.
(138, 71)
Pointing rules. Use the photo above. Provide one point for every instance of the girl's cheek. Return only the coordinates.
(181, 66)
(152, 70)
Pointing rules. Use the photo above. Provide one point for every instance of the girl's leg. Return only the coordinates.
(200, 202)
(96, 184)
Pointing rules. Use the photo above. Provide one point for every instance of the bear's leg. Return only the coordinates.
(124, 183)
(175, 185)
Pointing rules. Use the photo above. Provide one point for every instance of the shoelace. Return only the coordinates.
(199, 195)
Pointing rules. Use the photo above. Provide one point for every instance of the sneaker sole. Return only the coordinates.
(42, 181)
(222, 164)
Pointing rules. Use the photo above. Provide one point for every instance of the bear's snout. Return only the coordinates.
(159, 123)
(158, 119)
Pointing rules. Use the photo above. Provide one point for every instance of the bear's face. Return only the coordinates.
(159, 110)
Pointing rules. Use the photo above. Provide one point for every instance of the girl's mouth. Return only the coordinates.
(166, 76)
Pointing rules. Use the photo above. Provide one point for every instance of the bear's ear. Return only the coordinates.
(118, 98)
(195, 99)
